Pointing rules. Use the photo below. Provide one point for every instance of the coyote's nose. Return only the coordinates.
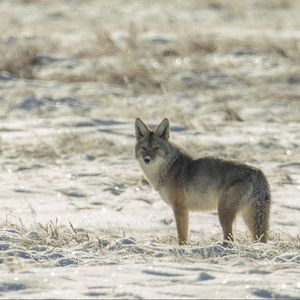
(147, 159)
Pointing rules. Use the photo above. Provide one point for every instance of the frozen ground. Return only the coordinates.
(77, 218)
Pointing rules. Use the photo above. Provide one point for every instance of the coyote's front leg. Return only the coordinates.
(181, 214)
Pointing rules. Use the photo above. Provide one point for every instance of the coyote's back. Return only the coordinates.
(203, 184)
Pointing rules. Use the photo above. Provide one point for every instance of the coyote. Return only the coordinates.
(188, 184)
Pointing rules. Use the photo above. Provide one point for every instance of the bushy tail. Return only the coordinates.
(261, 209)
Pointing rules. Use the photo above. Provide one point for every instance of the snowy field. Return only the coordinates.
(77, 218)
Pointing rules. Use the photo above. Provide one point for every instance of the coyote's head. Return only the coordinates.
(152, 145)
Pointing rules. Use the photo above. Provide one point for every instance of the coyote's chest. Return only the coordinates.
(154, 172)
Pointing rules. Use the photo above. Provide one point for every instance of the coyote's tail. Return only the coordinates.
(261, 209)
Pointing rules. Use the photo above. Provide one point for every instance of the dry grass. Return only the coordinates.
(278, 253)
(231, 115)
(19, 59)
(1, 146)
(190, 44)
(277, 4)
(182, 117)
(196, 43)
(143, 67)
(128, 72)
(133, 74)
(71, 143)
(293, 77)
(50, 234)
(56, 236)
(40, 151)
(243, 152)
(129, 68)
(28, 1)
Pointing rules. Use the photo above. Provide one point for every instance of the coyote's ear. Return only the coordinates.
(141, 129)
(163, 129)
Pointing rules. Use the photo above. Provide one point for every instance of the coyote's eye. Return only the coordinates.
(155, 148)
(144, 148)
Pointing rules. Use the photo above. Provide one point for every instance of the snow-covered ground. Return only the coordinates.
(77, 218)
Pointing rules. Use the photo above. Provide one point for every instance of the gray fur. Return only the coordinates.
(204, 183)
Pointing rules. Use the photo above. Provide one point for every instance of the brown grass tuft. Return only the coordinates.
(277, 4)
(57, 236)
(19, 59)
(196, 43)
(133, 73)
(71, 143)
(40, 150)
(231, 115)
